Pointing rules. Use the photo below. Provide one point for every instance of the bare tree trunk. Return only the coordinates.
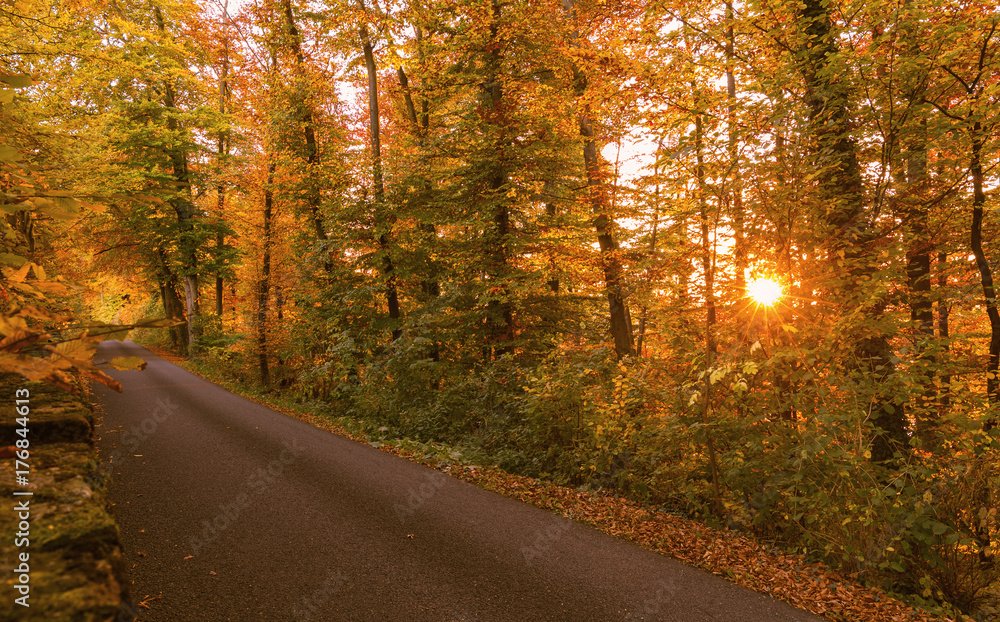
(172, 305)
(983, 490)
(191, 309)
(985, 272)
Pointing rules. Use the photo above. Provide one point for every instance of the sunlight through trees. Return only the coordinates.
(432, 217)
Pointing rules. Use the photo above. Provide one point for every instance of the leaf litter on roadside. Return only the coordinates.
(805, 584)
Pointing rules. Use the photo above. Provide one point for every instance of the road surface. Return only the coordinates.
(231, 511)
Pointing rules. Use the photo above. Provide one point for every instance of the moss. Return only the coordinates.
(61, 590)
(75, 559)
(87, 529)
(55, 415)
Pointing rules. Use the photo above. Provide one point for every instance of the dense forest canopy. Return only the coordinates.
(732, 258)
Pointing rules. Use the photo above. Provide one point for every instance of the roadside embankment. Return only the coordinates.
(67, 564)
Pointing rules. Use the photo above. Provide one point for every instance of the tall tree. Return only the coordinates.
(307, 121)
(222, 153)
(603, 220)
(842, 192)
(383, 219)
(182, 203)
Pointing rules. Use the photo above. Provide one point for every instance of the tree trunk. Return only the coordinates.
(222, 152)
(383, 218)
(184, 209)
(641, 337)
(429, 285)
(985, 272)
(710, 316)
(313, 197)
(944, 392)
(842, 190)
(264, 286)
(499, 310)
(983, 490)
(918, 280)
(172, 305)
(707, 262)
(735, 193)
(191, 309)
(708, 266)
(614, 274)
(219, 282)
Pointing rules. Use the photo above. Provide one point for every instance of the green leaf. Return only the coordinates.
(128, 363)
(6, 96)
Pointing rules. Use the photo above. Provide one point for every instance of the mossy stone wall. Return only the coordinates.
(75, 560)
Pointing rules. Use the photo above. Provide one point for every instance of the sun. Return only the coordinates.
(764, 291)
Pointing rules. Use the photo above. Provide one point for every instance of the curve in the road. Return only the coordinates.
(232, 511)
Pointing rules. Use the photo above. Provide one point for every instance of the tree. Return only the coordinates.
(841, 189)
(614, 278)
(382, 219)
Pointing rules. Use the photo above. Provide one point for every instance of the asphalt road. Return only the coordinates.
(231, 511)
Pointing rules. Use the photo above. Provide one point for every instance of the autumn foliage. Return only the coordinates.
(527, 228)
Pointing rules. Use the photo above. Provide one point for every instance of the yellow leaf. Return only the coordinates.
(12, 323)
(19, 275)
(75, 349)
(128, 363)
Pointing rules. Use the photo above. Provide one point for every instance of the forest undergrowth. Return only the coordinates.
(801, 520)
